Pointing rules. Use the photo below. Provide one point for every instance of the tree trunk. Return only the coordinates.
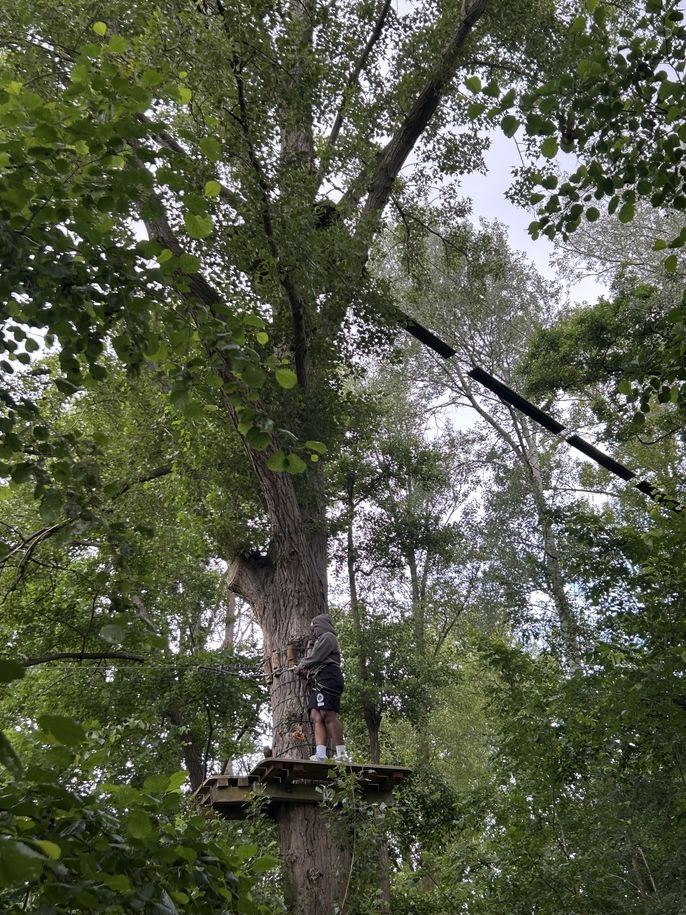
(287, 588)
(317, 869)
(192, 755)
(553, 570)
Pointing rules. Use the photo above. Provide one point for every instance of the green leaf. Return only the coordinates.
(253, 321)
(113, 633)
(140, 825)
(51, 849)
(319, 447)
(510, 125)
(63, 730)
(243, 852)
(186, 854)
(100, 28)
(258, 440)
(592, 214)
(254, 376)
(659, 244)
(286, 378)
(156, 784)
(10, 669)
(508, 100)
(473, 83)
(262, 337)
(277, 461)
(176, 780)
(294, 463)
(120, 883)
(118, 44)
(189, 263)
(671, 263)
(51, 506)
(213, 189)
(627, 212)
(475, 109)
(549, 147)
(198, 226)
(212, 148)
(185, 94)
(264, 864)
(22, 473)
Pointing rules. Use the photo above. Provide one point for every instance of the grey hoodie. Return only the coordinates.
(326, 649)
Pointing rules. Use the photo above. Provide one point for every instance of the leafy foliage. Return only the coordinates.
(68, 843)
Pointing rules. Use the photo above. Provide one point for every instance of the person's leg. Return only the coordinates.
(335, 730)
(319, 733)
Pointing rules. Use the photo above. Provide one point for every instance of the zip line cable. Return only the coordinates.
(513, 399)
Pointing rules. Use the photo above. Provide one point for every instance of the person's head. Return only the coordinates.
(321, 624)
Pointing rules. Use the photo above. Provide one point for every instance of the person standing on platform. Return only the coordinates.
(322, 667)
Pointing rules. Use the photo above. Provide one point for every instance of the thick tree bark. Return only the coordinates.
(317, 868)
(287, 588)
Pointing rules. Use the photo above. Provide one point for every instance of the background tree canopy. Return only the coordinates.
(213, 216)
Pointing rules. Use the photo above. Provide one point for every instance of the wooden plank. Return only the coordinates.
(283, 769)
(233, 802)
(284, 780)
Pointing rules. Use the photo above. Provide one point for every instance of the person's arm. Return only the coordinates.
(321, 650)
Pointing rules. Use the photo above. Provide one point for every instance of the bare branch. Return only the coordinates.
(144, 478)
(85, 656)
(352, 82)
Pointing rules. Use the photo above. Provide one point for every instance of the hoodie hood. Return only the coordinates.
(322, 624)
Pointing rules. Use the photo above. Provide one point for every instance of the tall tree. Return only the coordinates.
(261, 168)
(501, 300)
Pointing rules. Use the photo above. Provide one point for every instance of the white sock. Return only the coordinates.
(321, 751)
(340, 750)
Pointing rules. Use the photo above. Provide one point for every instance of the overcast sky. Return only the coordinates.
(487, 193)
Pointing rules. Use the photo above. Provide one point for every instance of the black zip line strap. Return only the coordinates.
(508, 396)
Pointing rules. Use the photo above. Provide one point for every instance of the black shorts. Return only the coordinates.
(326, 688)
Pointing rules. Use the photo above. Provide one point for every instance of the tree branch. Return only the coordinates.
(165, 139)
(391, 159)
(84, 656)
(248, 576)
(352, 82)
(144, 478)
(29, 544)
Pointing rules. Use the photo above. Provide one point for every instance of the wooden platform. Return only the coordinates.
(291, 781)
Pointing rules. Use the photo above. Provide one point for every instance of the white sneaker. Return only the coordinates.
(316, 758)
(342, 758)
